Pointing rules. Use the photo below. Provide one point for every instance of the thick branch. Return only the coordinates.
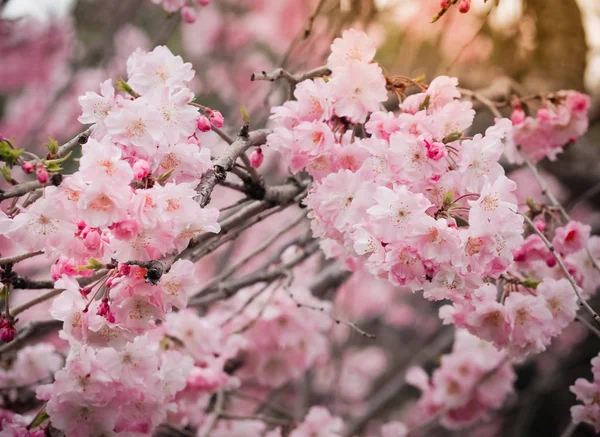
(18, 258)
(78, 140)
(225, 163)
(20, 189)
(292, 79)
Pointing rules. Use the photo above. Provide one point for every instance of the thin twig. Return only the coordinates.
(264, 246)
(214, 417)
(588, 325)
(561, 263)
(33, 302)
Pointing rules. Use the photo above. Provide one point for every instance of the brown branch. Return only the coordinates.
(226, 161)
(18, 258)
(329, 278)
(78, 140)
(20, 189)
(42, 298)
(292, 79)
(230, 288)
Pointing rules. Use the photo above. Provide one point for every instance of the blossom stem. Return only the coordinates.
(561, 263)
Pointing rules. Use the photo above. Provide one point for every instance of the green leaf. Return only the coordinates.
(452, 136)
(93, 264)
(245, 115)
(52, 167)
(8, 154)
(39, 419)
(425, 103)
(163, 177)
(6, 174)
(530, 204)
(448, 198)
(530, 283)
(122, 85)
(52, 145)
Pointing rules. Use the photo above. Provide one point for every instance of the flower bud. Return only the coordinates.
(8, 332)
(27, 167)
(188, 14)
(42, 174)
(517, 116)
(203, 2)
(92, 240)
(141, 169)
(436, 151)
(124, 269)
(464, 6)
(216, 118)
(203, 124)
(257, 157)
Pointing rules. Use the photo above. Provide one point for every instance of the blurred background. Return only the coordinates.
(52, 51)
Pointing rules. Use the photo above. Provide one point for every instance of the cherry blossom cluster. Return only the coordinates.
(131, 199)
(588, 393)
(108, 391)
(472, 379)
(412, 202)
(204, 340)
(560, 120)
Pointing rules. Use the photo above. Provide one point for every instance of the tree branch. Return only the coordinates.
(226, 161)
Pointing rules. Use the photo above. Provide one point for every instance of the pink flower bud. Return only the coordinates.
(543, 114)
(103, 308)
(141, 169)
(517, 116)
(540, 225)
(124, 269)
(81, 225)
(436, 151)
(257, 157)
(216, 118)
(28, 167)
(444, 4)
(464, 6)
(203, 2)
(92, 240)
(42, 174)
(8, 332)
(203, 124)
(188, 14)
